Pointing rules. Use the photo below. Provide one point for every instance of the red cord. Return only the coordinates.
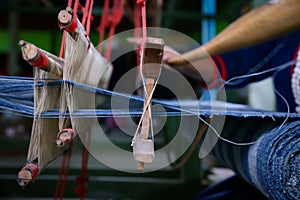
(85, 11)
(70, 3)
(41, 62)
(61, 170)
(83, 179)
(137, 33)
(63, 174)
(67, 167)
(109, 21)
(142, 4)
(62, 46)
(72, 27)
(89, 17)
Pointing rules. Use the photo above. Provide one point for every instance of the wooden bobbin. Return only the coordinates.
(29, 51)
(41, 59)
(64, 136)
(66, 21)
(65, 18)
(27, 174)
(143, 148)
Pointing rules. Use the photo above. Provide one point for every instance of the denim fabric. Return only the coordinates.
(278, 162)
(16, 95)
(272, 164)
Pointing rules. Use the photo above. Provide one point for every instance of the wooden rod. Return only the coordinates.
(41, 59)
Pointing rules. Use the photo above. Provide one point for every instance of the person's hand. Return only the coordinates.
(169, 53)
(197, 69)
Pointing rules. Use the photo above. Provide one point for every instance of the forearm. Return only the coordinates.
(259, 25)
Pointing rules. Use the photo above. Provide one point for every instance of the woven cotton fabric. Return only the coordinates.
(272, 164)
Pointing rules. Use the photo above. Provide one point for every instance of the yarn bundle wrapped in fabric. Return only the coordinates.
(272, 164)
(81, 64)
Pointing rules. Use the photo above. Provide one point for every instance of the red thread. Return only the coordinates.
(69, 3)
(140, 1)
(109, 20)
(63, 174)
(41, 62)
(137, 33)
(72, 27)
(89, 17)
(67, 167)
(69, 130)
(82, 180)
(62, 46)
(89, 42)
(61, 171)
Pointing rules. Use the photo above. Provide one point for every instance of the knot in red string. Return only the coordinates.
(140, 1)
(81, 188)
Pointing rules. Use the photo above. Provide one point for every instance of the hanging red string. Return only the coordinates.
(137, 26)
(142, 3)
(83, 178)
(109, 19)
(85, 13)
(89, 18)
(63, 174)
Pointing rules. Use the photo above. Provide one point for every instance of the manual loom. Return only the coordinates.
(268, 133)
